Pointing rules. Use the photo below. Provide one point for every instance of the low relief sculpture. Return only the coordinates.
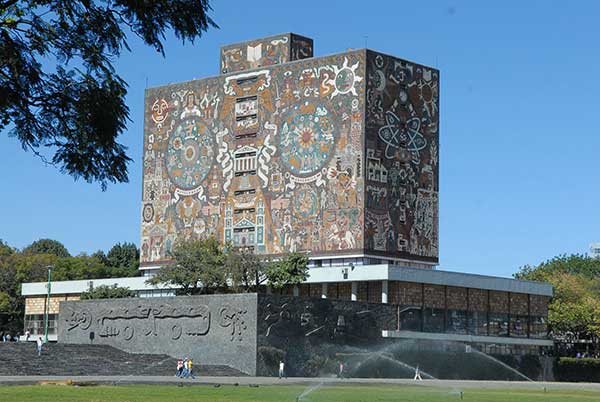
(79, 319)
(234, 318)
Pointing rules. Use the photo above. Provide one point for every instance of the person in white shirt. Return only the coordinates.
(281, 369)
(39, 345)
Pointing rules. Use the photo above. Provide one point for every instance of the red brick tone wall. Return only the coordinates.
(375, 292)
(478, 300)
(435, 296)
(498, 302)
(539, 305)
(363, 290)
(316, 290)
(345, 291)
(457, 298)
(304, 290)
(519, 304)
(404, 293)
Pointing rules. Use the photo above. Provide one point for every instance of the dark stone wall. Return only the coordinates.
(310, 335)
(213, 330)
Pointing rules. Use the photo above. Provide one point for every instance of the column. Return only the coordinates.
(384, 291)
(354, 296)
(324, 291)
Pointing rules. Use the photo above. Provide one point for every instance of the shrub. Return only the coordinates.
(577, 370)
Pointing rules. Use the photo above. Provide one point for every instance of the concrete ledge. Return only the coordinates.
(465, 338)
(388, 272)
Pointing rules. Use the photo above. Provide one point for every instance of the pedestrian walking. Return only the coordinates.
(191, 369)
(39, 345)
(417, 374)
(341, 372)
(179, 369)
(281, 369)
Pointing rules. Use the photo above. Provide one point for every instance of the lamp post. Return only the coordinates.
(49, 267)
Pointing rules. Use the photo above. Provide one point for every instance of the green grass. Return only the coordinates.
(280, 393)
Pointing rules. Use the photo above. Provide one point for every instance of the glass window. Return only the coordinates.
(433, 319)
(498, 324)
(457, 322)
(410, 318)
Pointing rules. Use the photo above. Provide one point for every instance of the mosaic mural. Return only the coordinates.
(332, 155)
(264, 52)
(402, 123)
(269, 159)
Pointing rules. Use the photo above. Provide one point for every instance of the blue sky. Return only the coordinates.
(519, 164)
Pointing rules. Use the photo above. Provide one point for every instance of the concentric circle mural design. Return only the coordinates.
(189, 154)
(307, 139)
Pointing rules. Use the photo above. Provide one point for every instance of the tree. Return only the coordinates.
(574, 312)
(125, 255)
(197, 267)
(292, 269)
(47, 246)
(107, 292)
(58, 86)
(245, 270)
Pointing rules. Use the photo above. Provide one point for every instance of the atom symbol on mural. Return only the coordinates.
(398, 132)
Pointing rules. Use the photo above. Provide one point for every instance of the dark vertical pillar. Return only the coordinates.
(528, 315)
(445, 308)
(508, 329)
(467, 314)
(422, 307)
(487, 313)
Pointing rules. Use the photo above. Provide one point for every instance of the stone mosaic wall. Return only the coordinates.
(214, 330)
(278, 49)
(401, 158)
(269, 159)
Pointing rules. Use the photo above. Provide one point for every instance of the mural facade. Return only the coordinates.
(401, 150)
(330, 155)
(264, 52)
(269, 159)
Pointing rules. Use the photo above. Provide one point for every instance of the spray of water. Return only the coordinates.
(372, 355)
(506, 366)
(308, 390)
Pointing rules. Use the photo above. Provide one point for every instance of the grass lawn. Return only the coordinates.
(279, 393)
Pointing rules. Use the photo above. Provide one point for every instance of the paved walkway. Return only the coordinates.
(301, 381)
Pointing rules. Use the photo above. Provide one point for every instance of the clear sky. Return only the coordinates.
(519, 153)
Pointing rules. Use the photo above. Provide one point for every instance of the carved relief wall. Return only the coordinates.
(215, 330)
(270, 159)
(401, 158)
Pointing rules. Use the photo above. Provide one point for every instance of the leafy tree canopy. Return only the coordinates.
(246, 271)
(47, 246)
(107, 292)
(574, 312)
(58, 86)
(125, 255)
(292, 269)
(197, 267)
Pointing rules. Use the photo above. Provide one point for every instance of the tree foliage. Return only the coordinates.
(47, 246)
(292, 269)
(205, 266)
(125, 255)
(246, 271)
(31, 265)
(107, 292)
(58, 86)
(574, 312)
(197, 267)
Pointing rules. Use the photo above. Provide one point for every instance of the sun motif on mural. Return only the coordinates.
(345, 78)
(189, 154)
(306, 139)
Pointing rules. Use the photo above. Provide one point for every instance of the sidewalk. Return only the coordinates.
(302, 381)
